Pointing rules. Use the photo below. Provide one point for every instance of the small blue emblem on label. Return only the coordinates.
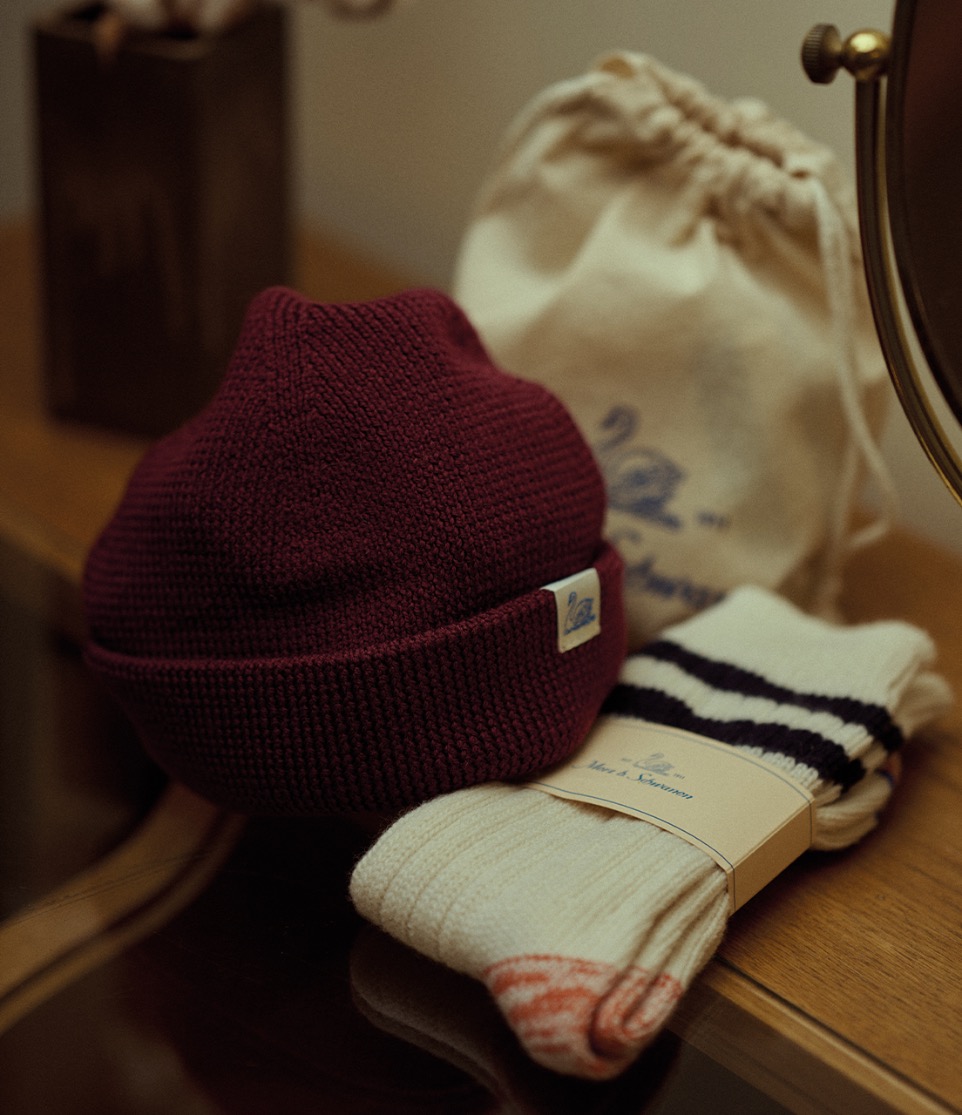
(577, 607)
(581, 611)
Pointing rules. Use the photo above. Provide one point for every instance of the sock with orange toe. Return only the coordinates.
(587, 925)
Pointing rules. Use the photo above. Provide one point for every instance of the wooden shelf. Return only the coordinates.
(838, 988)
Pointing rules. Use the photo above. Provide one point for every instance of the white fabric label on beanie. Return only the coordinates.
(684, 273)
(746, 814)
(578, 608)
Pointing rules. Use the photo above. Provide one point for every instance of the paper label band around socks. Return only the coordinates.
(748, 815)
(578, 608)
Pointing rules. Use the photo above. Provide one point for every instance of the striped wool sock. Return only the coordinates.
(588, 925)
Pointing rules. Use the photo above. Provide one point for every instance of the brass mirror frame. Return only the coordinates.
(869, 57)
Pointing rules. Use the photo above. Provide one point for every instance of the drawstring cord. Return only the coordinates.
(834, 250)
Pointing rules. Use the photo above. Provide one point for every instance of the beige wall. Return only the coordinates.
(397, 119)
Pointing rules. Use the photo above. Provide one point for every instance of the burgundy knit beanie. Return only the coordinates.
(325, 592)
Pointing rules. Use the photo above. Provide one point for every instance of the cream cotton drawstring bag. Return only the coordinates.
(685, 274)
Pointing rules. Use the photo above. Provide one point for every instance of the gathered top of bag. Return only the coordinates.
(738, 154)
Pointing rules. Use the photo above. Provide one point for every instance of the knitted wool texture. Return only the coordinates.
(324, 592)
(588, 925)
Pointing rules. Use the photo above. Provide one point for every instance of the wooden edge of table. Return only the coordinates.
(137, 888)
(786, 1055)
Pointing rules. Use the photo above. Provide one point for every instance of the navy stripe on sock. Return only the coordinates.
(875, 719)
(823, 755)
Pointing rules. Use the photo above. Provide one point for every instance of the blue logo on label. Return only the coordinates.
(581, 612)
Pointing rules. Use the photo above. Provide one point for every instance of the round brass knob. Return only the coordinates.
(864, 54)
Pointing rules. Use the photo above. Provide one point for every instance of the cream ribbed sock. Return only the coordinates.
(588, 925)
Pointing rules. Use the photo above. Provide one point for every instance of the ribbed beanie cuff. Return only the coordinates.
(488, 698)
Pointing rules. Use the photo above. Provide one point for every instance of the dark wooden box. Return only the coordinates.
(164, 208)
